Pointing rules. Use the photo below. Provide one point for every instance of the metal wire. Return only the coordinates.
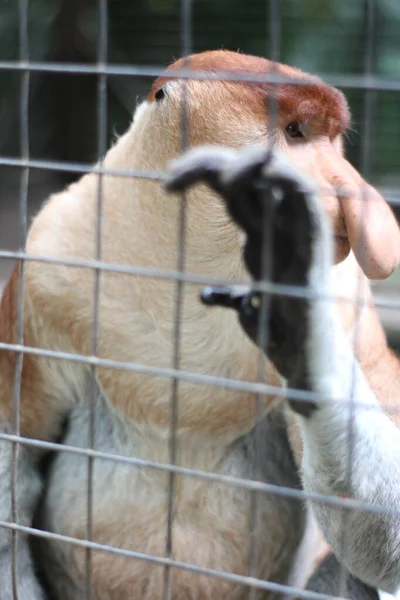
(234, 384)
(355, 82)
(252, 485)
(273, 52)
(369, 83)
(370, 16)
(82, 168)
(24, 183)
(262, 286)
(186, 46)
(381, 301)
(101, 150)
(249, 581)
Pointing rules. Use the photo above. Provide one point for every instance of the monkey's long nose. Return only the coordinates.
(372, 230)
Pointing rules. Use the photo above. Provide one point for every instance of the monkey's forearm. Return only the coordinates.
(351, 449)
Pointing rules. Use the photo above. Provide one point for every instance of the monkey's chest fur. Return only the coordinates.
(212, 521)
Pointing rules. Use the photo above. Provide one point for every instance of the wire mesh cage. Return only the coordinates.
(70, 76)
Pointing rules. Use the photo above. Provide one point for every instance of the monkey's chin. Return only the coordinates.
(342, 248)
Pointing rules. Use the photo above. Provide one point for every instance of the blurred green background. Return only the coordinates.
(322, 36)
(327, 37)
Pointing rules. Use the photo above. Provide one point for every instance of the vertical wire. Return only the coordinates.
(370, 17)
(102, 53)
(369, 28)
(23, 14)
(274, 30)
(186, 49)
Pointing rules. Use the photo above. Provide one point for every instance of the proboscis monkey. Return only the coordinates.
(211, 526)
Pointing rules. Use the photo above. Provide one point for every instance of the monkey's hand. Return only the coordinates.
(264, 194)
(303, 336)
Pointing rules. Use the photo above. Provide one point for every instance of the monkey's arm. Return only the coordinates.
(351, 449)
(307, 344)
(39, 418)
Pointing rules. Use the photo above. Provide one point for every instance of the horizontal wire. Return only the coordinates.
(166, 372)
(170, 373)
(294, 291)
(228, 480)
(84, 168)
(226, 576)
(363, 82)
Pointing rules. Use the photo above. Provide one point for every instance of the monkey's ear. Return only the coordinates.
(204, 164)
(373, 231)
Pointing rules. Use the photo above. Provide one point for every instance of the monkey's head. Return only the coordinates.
(301, 116)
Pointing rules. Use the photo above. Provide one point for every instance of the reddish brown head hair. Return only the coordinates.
(300, 97)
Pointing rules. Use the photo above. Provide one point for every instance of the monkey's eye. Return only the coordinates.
(160, 94)
(294, 130)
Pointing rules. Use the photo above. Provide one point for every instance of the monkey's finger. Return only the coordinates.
(246, 190)
(263, 168)
(248, 169)
(228, 297)
(258, 178)
(203, 164)
(240, 298)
